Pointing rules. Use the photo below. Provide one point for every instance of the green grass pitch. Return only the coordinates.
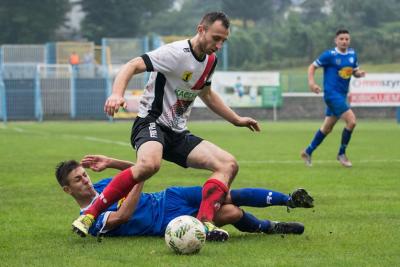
(355, 222)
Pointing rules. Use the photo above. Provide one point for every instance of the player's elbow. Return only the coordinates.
(122, 218)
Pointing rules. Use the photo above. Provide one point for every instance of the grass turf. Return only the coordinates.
(355, 221)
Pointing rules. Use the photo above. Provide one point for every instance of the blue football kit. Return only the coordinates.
(338, 69)
(153, 212)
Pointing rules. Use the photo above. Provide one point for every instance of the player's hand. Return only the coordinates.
(96, 163)
(113, 103)
(248, 122)
(315, 88)
(360, 73)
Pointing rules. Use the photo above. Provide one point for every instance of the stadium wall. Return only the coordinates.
(297, 107)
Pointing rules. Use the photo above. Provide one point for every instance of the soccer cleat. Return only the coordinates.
(82, 224)
(344, 160)
(306, 157)
(295, 228)
(214, 233)
(300, 199)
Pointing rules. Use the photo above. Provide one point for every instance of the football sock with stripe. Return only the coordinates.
(258, 197)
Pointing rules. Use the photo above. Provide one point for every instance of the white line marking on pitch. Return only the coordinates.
(107, 141)
(314, 161)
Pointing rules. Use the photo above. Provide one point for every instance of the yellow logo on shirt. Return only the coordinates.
(186, 76)
(346, 72)
(120, 202)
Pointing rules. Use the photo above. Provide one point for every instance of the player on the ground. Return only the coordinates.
(339, 63)
(180, 72)
(149, 213)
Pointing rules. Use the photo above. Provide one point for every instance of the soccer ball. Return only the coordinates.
(185, 235)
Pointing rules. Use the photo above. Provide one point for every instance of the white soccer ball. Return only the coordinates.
(185, 235)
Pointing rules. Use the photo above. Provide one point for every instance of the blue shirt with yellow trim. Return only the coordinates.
(338, 69)
(146, 220)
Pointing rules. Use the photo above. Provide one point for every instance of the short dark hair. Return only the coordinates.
(212, 17)
(63, 169)
(341, 31)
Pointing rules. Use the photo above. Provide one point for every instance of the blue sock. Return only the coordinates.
(258, 197)
(346, 135)
(249, 223)
(318, 138)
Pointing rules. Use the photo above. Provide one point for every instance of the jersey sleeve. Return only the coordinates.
(100, 224)
(163, 59)
(100, 185)
(323, 60)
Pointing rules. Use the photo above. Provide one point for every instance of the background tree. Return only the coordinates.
(254, 10)
(34, 21)
(119, 18)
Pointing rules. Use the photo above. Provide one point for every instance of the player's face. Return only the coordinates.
(212, 37)
(342, 41)
(80, 185)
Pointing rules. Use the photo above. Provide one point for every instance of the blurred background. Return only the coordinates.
(58, 58)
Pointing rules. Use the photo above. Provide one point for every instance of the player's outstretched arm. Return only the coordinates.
(99, 163)
(311, 81)
(127, 208)
(215, 103)
(116, 99)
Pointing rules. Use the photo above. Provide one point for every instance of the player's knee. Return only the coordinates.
(236, 214)
(232, 166)
(326, 130)
(351, 125)
(148, 168)
(228, 214)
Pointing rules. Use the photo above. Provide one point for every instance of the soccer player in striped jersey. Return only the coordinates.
(180, 72)
(339, 64)
(148, 214)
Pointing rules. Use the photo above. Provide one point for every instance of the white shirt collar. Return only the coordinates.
(338, 51)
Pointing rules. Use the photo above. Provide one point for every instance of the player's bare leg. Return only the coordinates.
(224, 167)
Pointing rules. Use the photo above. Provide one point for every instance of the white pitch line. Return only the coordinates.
(71, 136)
(107, 141)
(314, 161)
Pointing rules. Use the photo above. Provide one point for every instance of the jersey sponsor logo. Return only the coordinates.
(185, 95)
(152, 130)
(184, 100)
(346, 72)
(186, 76)
(338, 61)
(120, 202)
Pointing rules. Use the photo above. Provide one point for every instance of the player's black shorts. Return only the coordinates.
(176, 146)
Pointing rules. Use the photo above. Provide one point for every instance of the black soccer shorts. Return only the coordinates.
(176, 146)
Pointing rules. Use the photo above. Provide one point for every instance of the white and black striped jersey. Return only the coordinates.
(177, 77)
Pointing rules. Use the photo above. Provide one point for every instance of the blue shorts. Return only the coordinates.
(336, 105)
(181, 201)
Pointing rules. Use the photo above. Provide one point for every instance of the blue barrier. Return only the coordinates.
(3, 107)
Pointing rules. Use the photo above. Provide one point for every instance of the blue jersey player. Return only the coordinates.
(147, 214)
(339, 64)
